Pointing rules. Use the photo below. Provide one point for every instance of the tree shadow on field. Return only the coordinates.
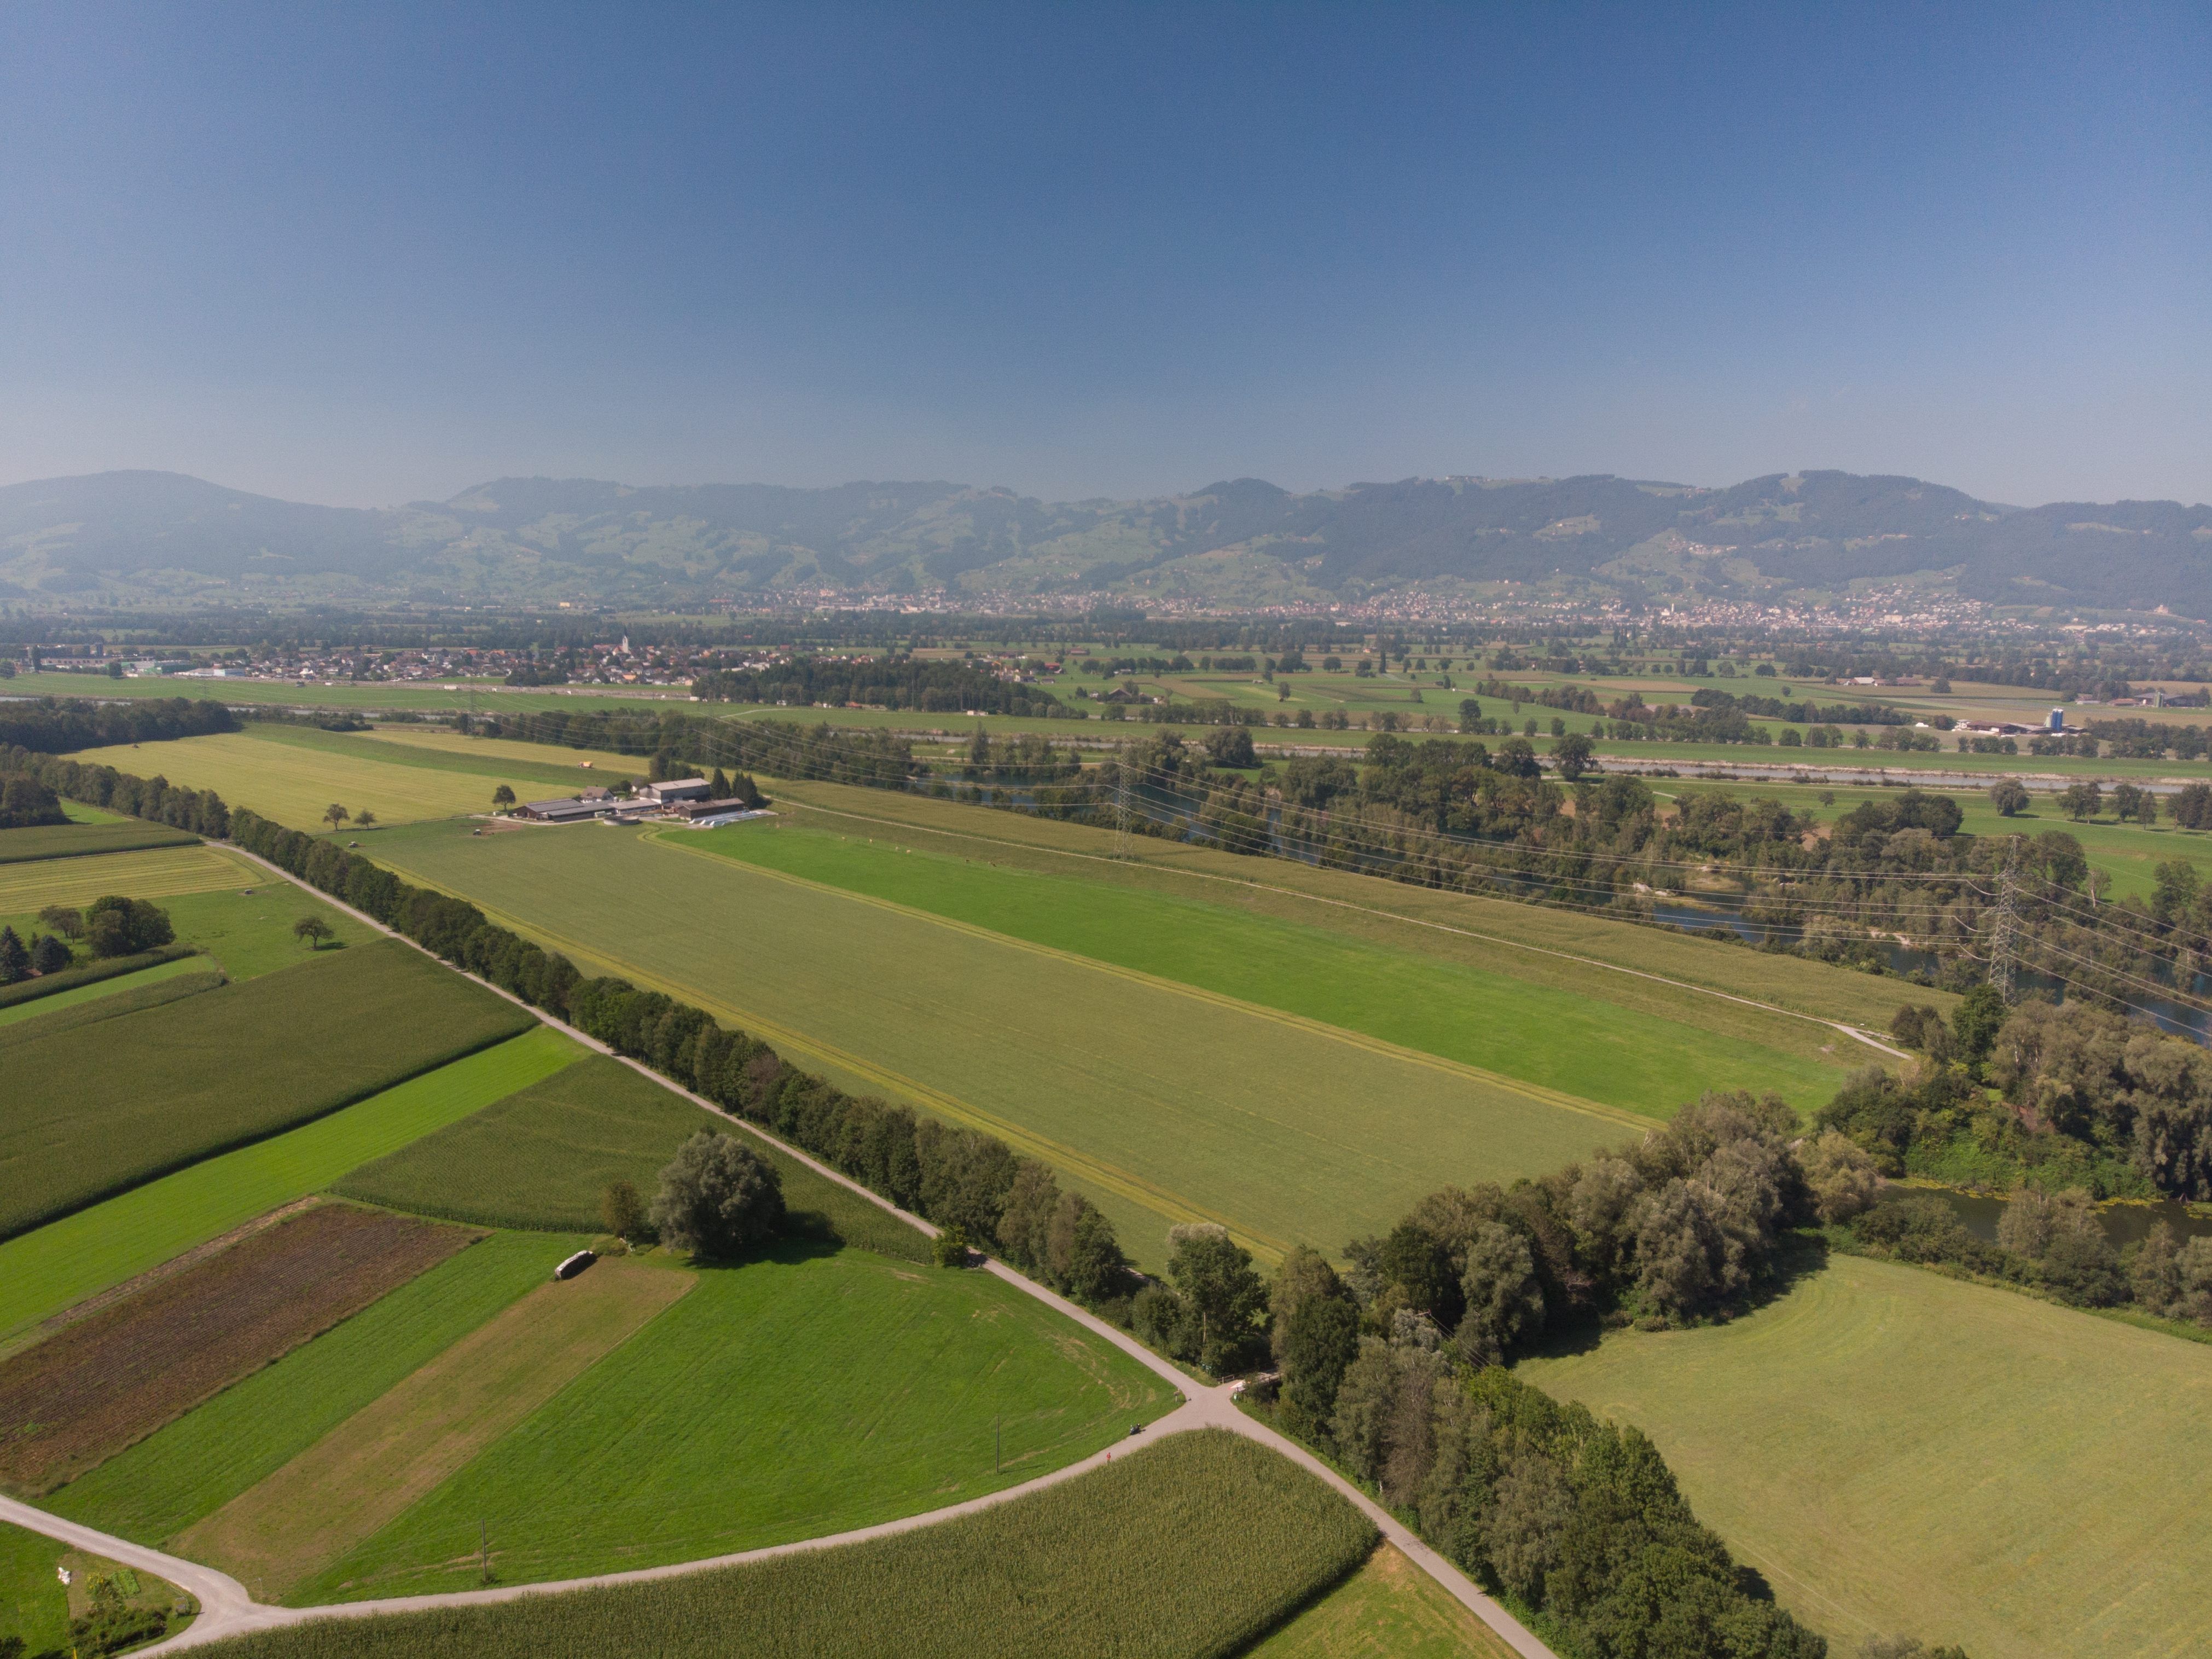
(788, 1250)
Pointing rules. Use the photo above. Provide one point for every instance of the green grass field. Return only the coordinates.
(45, 1271)
(1897, 1450)
(1481, 1016)
(1163, 1103)
(803, 1392)
(193, 1467)
(76, 840)
(129, 1099)
(348, 696)
(1389, 1609)
(542, 1157)
(33, 1606)
(1189, 1549)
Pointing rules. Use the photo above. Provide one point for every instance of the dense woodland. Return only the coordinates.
(53, 726)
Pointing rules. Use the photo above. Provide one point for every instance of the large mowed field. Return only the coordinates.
(1897, 1450)
(1482, 1016)
(1164, 1103)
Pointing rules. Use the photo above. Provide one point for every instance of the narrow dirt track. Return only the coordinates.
(228, 1610)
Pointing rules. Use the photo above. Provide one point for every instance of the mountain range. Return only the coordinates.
(140, 538)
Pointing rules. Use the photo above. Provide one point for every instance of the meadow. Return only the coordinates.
(187, 1471)
(1162, 1103)
(801, 1392)
(129, 1099)
(359, 696)
(70, 1402)
(1389, 1609)
(1188, 1549)
(33, 1606)
(1588, 955)
(542, 1157)
(47, 1270)
(76, 840)
(1897, 1451)
(1549, 1036)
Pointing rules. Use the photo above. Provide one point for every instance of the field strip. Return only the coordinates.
(363, 1473)
(1082, 1165)
(152, 872)
(1849, 1030)
(1373, 1045)
(54, 1267)
(77, 996)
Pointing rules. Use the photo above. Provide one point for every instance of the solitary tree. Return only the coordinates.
(717, 1197)
(502, 797)
(2009, 797)
(335, 815)
(63, 919)
(314, 929)
(622, 1210)
(1572, 754)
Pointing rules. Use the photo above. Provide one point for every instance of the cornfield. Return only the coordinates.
(1193, 1547)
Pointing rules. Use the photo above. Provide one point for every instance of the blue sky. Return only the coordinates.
(368, 253)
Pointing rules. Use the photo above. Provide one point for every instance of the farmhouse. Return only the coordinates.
(676, 789)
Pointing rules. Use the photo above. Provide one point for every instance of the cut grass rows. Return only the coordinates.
(1193, 1547)
(43, 1272)
(123, 1102)
(151, 875)
(1894, 1450)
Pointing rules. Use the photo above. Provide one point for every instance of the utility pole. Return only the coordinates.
(1121, 804)
(2004, 925)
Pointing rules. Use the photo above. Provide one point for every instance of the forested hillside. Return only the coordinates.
(145, 534)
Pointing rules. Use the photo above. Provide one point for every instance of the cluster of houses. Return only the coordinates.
(687, 801)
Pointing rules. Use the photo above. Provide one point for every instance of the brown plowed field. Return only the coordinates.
(85, 1394)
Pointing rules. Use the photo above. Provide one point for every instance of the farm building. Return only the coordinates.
(672, 790)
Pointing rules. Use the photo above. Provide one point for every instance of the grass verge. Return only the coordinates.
(1389, 1609)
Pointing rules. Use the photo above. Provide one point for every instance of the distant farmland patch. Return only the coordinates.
(544, 1158)
(70, 841)
(93, 1387)
(95, 1110)
(1195, 1547)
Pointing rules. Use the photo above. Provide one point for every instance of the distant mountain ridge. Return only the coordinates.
(151, 536)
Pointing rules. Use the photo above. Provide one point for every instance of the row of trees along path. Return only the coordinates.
(228, 1610)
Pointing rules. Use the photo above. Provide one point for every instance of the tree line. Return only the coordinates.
(54, 725)
(929, 685)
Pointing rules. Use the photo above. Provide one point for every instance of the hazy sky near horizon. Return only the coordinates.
(367, 253)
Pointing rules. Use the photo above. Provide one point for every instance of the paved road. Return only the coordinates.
(228, 1610)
